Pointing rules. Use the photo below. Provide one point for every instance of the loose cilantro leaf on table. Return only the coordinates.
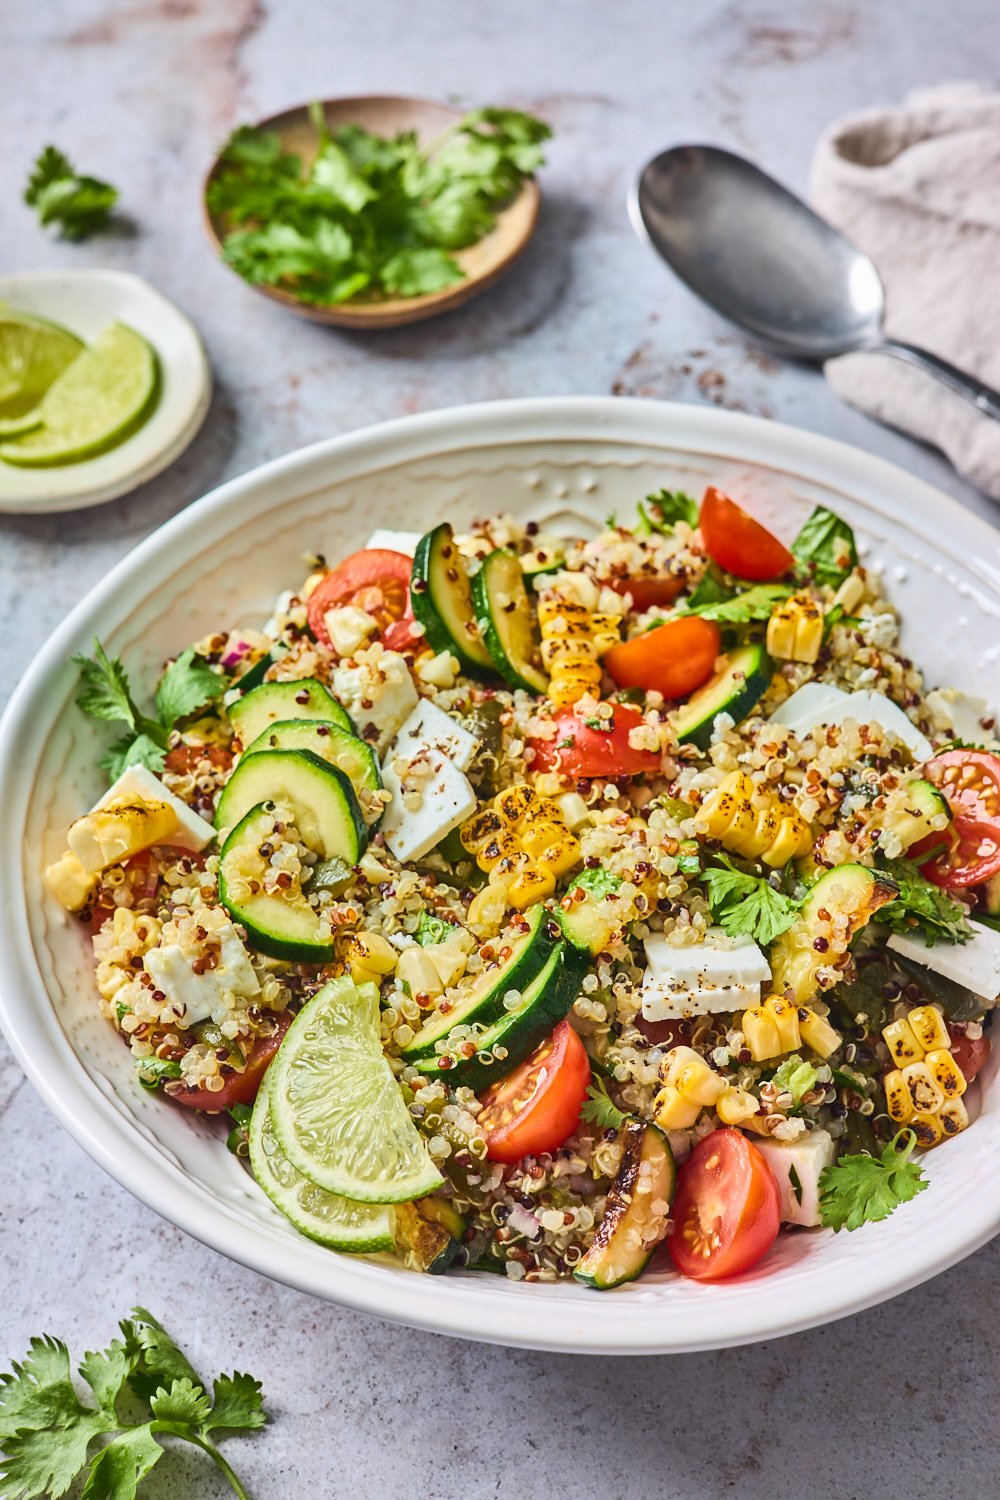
(745, 905)
(599, 1108)
(60, 195)
(861, 1189)
(188, 684)
(825, 548)
(369, 214)
(923, 906)
(46, 1430)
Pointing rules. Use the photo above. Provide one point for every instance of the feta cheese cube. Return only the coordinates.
(819, 704)
(429, 726)
(961, 714)
(721, 973)
(797, 1166)
(424, 767)
(191, 831)
(975, 964)
(378, 693)
(395, 541)
(193, 997)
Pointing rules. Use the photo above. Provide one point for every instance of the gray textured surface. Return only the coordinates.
(896, 1402)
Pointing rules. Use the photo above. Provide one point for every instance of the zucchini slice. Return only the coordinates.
(484, 1002)
(735, 690)
(442, 599)
(630, 1229)
(276, 702)
(547, 999)
(331, 743)
(924, 802)
(281, 924)
(318, 797)
(504, 617)
(425, 1238)
(849, 891)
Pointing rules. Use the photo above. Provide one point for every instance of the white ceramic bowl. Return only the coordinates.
(567, 461)
(85, 302)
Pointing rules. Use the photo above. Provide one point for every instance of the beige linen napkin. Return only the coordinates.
(917, 187)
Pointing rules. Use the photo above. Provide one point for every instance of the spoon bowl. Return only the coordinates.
(758, 255)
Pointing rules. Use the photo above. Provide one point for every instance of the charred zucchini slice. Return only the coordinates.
(635, 1217)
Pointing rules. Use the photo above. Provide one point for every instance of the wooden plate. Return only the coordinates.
(483, 263)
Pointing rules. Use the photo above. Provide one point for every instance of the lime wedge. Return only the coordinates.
(99, 400)
(358, 1228)
(337, 1111)
(32, 353)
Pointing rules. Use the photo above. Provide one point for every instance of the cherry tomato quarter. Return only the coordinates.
(240, 1088)
(738, 543)
(726, 1210)
(673, 659)
(376, 580)
(578, 749)
(537, 1107)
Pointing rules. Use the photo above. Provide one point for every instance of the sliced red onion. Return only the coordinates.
(523, 1223)
(235, 652)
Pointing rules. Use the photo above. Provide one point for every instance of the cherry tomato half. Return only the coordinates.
(580, 750)
(969, 1053)
(969, 780)
(535, 1108)
(240, 1088)
(673, 659)
(738, 543)
(376, 580)
(648, 591)
(726, 1210)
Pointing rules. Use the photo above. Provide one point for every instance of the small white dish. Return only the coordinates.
(85, 302)
(565, 462)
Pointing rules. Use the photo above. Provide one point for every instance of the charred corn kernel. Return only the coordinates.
(761, 1033)
(735, 1105)
(817, 1033)
(795, 629)
(786, 1018)
(416, 970)
(754, 822)
(118, 830)
(946, 1073)
(953, 1117)
(927, 1025)
(925, 1096)
(897, 1097)
(686, 1070)
(902, 1043)
(369, 957)
(70, 883)
(572, 640)
(671, 1112)
(515, 802)
(480, 828)
(530, 885)
(927, 1129)
(524, 836)
(501, 847)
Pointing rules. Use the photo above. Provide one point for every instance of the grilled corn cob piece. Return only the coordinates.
(118, 830)
(780, 1026)
(573, 638)
(522, 841)
(795, 629)
(754, 823)
(924, 1091)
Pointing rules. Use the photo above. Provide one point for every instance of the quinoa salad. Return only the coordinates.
(555, 906)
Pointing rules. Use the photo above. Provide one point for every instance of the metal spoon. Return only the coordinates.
(764, 260)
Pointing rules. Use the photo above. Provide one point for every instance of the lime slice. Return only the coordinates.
(32, 353)
(98, 401)
(337, 1111)
(358, 1228)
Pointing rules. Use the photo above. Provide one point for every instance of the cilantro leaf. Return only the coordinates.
(923, 905)
(755, 604)
(60, 195)
(795, 1077)
(44, 1460)
(825, 548)
(189, 683)
(745, 905)
(599, 882)
(105, 693)
(237, 1403)
(666, 508)
(861, 1189)
(712, 588)
(116, 1470)
(160, 1355)
(106, 1373)
(132, 750)
(184, 1402)
(431, 929)
(600, 1109)
(412, 273)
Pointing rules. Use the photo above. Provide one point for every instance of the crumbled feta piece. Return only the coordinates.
(378, 693)
(806, 1157)
(819, 704)
(395, 541)
(575, 586)
(880, 630)
(193, 997)
(348, 628)
(975, 964)
(961, 714)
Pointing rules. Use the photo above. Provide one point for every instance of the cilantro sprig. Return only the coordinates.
(188, 684)
(600, 1109)
(862, 1189)
(747, 905)
(46, 1431)
(923, 905)
(666, 508)
(370, 214)
(61, 195)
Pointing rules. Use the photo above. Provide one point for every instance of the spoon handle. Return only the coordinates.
(982, 396)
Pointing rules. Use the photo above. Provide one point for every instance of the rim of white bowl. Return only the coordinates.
(469, 1307)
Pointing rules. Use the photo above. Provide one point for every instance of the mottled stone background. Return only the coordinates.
(899, 1402)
